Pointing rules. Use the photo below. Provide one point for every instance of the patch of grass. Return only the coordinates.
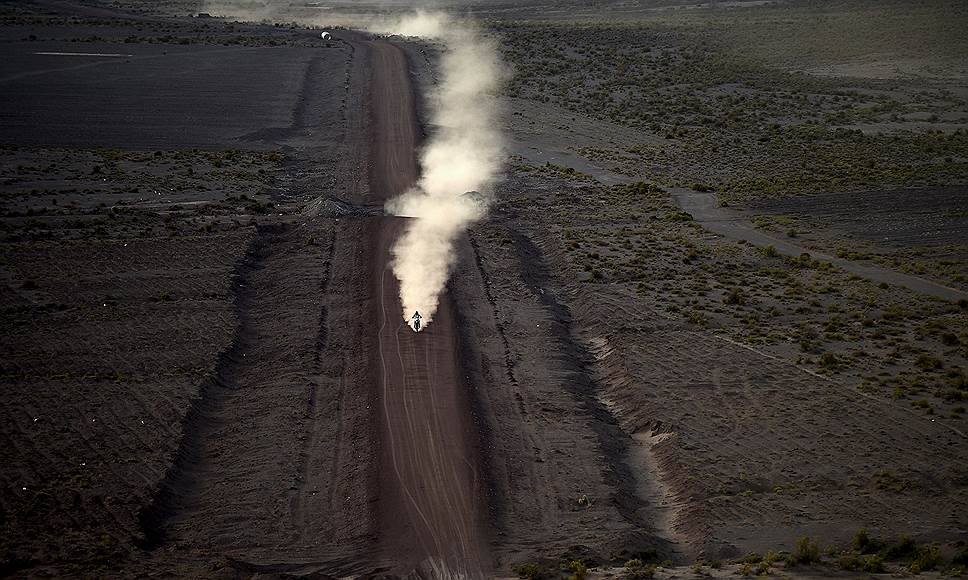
(578, 569)
(870, 563)
(927, 558)
(927, 362)
(829, 361)
(678, 216)
(807, 551)
(864, 544)
(887, 480)
(961, 557)
(636, 568)
(529, 571)
(697, 318)
(735, 296)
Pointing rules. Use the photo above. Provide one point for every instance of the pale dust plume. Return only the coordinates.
(459, 163)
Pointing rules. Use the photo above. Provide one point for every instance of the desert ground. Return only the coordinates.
(714, 323)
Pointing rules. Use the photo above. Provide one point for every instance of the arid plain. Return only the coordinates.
(714, 323)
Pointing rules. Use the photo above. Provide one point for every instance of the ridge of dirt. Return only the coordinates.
(562, 495)
(205, 406)
(576, 361)
(486, 283)
(226, 432)
(816, 456)
(472, 368)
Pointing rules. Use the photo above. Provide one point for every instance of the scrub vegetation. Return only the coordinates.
(77, 194)
(780, 117)
(883, 339)
(751, 120)
(864, 553)
(850, 150)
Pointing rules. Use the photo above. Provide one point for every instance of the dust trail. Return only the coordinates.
(462, 157)
(459, 163)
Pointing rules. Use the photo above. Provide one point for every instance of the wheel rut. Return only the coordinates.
(311, 439)
(433, 514)
(246, 476)
(205, 414)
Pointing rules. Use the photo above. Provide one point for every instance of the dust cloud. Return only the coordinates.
(462, 157)
(459, 163)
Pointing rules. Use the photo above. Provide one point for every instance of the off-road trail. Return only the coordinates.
(393, 159)
(332, 437)
(431, 505)
(706, 209)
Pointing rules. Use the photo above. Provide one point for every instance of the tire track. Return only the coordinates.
(437, 519)
(311, 441)
(432, 505)
(180, 480)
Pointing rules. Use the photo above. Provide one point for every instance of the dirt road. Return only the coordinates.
(393, 160)
(432, 488)
(431, 505)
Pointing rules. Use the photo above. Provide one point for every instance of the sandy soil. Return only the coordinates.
(154, 104)
(906, 217)
(916, 231)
